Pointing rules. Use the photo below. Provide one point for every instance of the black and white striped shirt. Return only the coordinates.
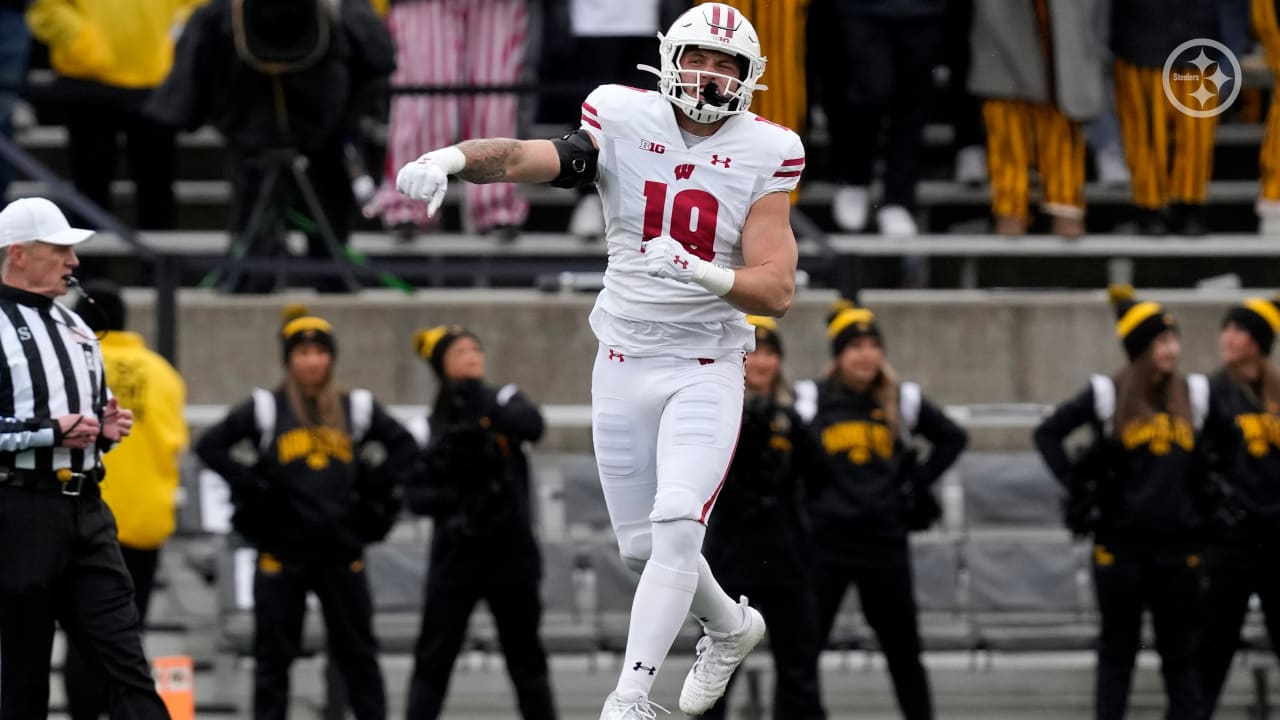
(51, 366)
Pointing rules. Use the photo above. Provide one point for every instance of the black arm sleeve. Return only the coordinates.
(214, 446)
(1051, 433)
(402, 449)
(808, 458)
(946, 441)
(578, 160)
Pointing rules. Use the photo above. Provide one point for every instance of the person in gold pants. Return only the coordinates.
(1265, 26)
(1041, 79)
(1169, 193)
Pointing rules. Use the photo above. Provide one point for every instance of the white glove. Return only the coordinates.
(427, 178)
(665, 257)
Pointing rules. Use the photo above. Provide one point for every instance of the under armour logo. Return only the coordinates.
(641, 666)
(684, 172)
(684, 264)
(614, 355)
(715, 160)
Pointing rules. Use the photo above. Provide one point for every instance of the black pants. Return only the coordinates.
(888, 602)
(878, 80)
(285, 209)
(1235, 573)
(791, 615)
(1128, 580)
(87, 689)
(62, 563)
(517, 612)
(280, 604)
(96, 116)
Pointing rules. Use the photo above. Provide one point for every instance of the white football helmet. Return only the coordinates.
(713, 26)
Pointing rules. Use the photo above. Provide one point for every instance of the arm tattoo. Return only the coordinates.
(487, 159)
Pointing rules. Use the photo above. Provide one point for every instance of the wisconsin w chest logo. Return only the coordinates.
(684, 172)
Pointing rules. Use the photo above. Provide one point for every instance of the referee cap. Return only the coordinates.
(28, 219)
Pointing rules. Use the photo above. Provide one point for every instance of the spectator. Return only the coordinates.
(1143, 35)
(142, 488)
(874, 494)
(109, 55)
(758, 537)
(1040, 72)
(1243, 558)
(877, 74)
(1137, 492)
(285, 79)
(475, 482)
(1265, 27)
(1104, 132)
(310, 504)
(454, 42)
(963, 109)
(590, 43)
(15, 43)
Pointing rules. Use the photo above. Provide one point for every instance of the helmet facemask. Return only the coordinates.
(707, 96)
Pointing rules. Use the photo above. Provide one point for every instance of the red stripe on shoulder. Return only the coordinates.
(793, 173)
(591, 121)
(587, 106)
(793, 161)
(770, 122)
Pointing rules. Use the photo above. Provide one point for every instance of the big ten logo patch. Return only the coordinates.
(129, 384)
(653, 147)
(1261, 432)
(1160, 434)
(859, 440)
(318, 445)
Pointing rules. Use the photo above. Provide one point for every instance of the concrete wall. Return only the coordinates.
(963, 346)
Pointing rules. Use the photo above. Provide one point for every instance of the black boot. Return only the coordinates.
(1151, 222)
(1188, 219)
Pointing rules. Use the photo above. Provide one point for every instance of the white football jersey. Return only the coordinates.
(651, 183)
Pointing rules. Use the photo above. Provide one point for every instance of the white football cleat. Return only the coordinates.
(615, 708)
(717, 658)
(850, 206)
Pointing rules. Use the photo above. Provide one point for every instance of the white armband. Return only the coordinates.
(716, 279)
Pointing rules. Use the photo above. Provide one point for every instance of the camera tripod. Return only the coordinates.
(263, 234)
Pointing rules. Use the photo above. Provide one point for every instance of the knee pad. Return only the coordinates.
(677, 544)
(635, 545)
(676, 503)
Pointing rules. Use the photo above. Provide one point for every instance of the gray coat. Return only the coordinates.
(1008, 62)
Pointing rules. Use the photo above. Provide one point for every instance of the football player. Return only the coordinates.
(697, 223)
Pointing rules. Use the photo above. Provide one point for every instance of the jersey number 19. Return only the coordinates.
(695, 230)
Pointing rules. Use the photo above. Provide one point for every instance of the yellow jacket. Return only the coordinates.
(142, 471)
(125, 43)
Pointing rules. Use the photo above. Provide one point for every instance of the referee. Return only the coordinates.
(61, 560)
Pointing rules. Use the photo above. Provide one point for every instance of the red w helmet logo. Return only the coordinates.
(730, 21)
(683, 172)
